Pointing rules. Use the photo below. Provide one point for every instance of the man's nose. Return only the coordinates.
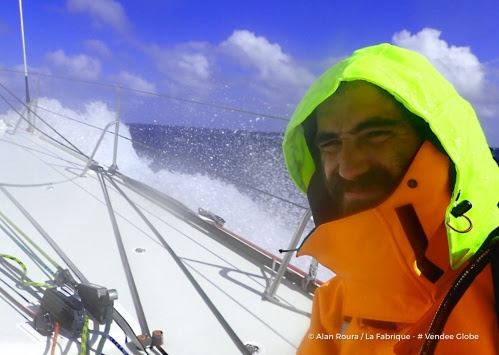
(353, 161)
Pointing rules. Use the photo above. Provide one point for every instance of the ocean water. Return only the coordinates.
(251, 160)
(237, 174)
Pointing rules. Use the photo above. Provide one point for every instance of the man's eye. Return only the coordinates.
(377, 136)
(330, 145)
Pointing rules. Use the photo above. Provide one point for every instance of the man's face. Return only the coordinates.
(366, 145)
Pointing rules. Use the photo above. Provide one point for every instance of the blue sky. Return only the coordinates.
(251, 55)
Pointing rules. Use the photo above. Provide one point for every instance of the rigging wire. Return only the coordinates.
(124, 259)
(228, 329)
(22, 281)
(196, 165)
(109, 320)
(175, 98)
(25, 236)
(14, 274)
(15, 291)
(17, 304)
(240, 344)
(27, 250)
(74, 148)
(50, 183)
(122, 323)
(222, 176)
(111, 339)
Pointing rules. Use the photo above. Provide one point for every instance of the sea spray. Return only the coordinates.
(224, 187)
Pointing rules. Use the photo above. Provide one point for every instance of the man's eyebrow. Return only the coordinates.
(324, 137)
(371, 122)
(374, 122)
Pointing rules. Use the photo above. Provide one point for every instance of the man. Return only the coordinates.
(404, 192)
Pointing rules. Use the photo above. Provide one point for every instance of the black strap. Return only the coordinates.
(484, 257)
(418, 240)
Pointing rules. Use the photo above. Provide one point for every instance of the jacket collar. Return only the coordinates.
(376, 256)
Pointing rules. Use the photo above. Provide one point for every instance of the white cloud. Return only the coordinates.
(458, 64)
(79, 66)
(187, 64)
(195, 63)
(245, 71)
(472, 79)
(103, 12)
(272, 63)
(136, 82)
(98, 47)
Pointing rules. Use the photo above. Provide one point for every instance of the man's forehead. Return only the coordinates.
(355, 102)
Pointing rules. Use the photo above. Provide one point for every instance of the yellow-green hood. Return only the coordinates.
(413, 81)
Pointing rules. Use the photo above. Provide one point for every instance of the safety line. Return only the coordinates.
(14, 274)
(109, 320)
(27, 250)
(15, 302)
(149, 148)
(45, 235)
(40, 184)
(228, 329)
(75, 148)
(15, 291)
(111, 339)
(116, 315)
(221, 107)
(124, 259)
(196, 165)
(25, 273)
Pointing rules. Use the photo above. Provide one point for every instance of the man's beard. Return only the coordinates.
(377, 180)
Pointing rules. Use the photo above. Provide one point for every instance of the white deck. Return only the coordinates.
(72, 210)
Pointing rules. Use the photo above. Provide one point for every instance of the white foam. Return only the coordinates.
(270, 229)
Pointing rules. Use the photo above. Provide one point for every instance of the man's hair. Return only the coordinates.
(419, 124)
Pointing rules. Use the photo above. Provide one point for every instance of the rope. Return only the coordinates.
(84, 337)
(16, 303)
(147, 146)
(476, 265)
(198, 166)
(25, 248)
(50, 183)
(25, 273)
(111, 339)
(45, 235)
(54, 338)
(222, 107)
(116, 315)
(109, 320)
(15, 291)
(75, 148)
(228, 329)
(124, 259)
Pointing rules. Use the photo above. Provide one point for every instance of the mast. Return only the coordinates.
(30, 128)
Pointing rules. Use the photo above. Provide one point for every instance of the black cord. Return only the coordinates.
(455, 293)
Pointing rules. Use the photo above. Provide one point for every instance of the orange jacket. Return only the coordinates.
(389, 281)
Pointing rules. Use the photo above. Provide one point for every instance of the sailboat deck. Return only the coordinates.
(72, 210)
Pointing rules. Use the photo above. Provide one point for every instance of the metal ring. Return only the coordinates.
(462, 231)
